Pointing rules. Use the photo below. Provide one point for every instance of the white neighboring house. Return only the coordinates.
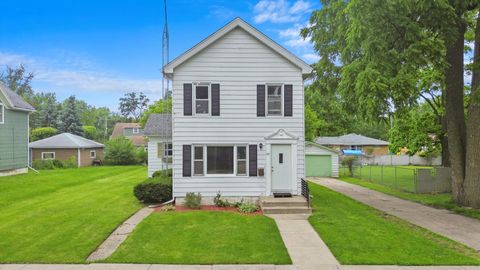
(158, 129)
(238, 116)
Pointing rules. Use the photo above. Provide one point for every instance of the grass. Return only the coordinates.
(437, 200)
(201, 237)
(359, 234)
(61, 216)
(399, 177)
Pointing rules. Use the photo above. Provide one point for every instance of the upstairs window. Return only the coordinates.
(274, 100)
(2, 113)
(202, 99)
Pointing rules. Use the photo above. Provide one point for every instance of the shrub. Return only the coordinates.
(159, 173)
(57, 164)
(153, 192)
(42, 133)
(43, 164)
(141, 155)
(218, 201)
(120, 151)
(248, 208)
(349, 162)
(193, 200)
(71, 162)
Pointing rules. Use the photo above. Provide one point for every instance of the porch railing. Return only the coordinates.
(306, 191)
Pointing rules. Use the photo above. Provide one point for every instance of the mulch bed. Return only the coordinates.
(181, 208)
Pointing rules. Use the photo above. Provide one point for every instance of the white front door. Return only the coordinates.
(281, 168)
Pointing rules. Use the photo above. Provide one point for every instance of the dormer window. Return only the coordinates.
(2, 113)
(202, 99)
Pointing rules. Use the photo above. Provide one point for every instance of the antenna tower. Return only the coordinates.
(165, 54)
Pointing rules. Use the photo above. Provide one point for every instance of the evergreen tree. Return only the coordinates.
(70, 120)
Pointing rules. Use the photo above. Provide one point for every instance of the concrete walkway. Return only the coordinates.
(118, 236)
(306, 249)
(457, 227)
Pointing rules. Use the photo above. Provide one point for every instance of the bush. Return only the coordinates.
(349, 162)
(193, 200)
(71, 162)
(160, 173)
(218, 201)
(141, 155)
(120, 151)
(41, 164)
(153, 192)
(42, 133)
(51, 164)
(248, 208)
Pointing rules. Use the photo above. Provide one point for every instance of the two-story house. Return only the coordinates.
(131, 131)
(238, 116)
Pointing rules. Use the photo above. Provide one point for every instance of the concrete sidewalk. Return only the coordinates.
(456, 227)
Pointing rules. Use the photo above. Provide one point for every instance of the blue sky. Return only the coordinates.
(100, 49)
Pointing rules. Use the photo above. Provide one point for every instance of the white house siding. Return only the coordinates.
(238, 62)
(311, 149)
(155, 163)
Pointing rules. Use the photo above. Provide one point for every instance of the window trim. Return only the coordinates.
(282, 99)
(43, 153)
(94, 154)
(235, 160)
(194, 98)
(2, 119)
(135, 130)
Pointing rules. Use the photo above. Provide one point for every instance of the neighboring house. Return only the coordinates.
(64, 146)
(367, 146)
(131, 131)
(320, 160)
(158, 129)
(14, 132)
(238, 116)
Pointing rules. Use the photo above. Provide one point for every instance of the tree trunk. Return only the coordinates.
(444, 143)
(472, 166)
(455, 115)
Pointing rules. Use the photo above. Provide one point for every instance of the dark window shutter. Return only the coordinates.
(216, 99)
(252, 160)
(187, 160)
(187, 99)
(260, 100)
(288, 100)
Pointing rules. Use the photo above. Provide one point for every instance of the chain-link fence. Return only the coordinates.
(402, 178)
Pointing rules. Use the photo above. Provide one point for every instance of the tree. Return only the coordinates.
(418, 131)
(120, 151)
(384, 48)
(132, 105)
(69, 119)
(90, 132)
(18, 80)
(42, 133)
(159, 106)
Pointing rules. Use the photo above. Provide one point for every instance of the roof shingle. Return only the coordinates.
(349, 139)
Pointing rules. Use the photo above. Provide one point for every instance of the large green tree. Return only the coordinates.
(18, 79)
(380, 51)
(133, 104)
(159, 106)
(69, 119)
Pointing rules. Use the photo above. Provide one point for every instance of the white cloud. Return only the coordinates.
(311, 57)
(280, 11)
(292, 37)
(72, 73)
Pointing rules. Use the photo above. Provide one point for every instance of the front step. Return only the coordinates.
(292, 205)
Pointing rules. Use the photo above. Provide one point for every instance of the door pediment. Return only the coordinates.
(281, 134)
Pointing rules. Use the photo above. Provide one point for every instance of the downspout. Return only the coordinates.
(78, 157)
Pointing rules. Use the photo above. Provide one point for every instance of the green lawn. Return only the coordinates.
(399, 177)
(201, 237)
(359, 234)
(439, 200)
(61, 216)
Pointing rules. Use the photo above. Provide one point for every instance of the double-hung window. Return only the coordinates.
(93, 154)
(2, 113)
(168, 151)
(274, 99)
(220, 160)
(202, 98)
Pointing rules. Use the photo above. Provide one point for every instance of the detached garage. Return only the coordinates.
(320, 160)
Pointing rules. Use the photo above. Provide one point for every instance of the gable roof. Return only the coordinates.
(119, 127)
(349, 139)
(308, 143)
(65, 140)
(159, 124)
(237, 22)
(14, 101)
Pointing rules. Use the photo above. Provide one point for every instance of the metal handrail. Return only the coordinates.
(306, 191)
